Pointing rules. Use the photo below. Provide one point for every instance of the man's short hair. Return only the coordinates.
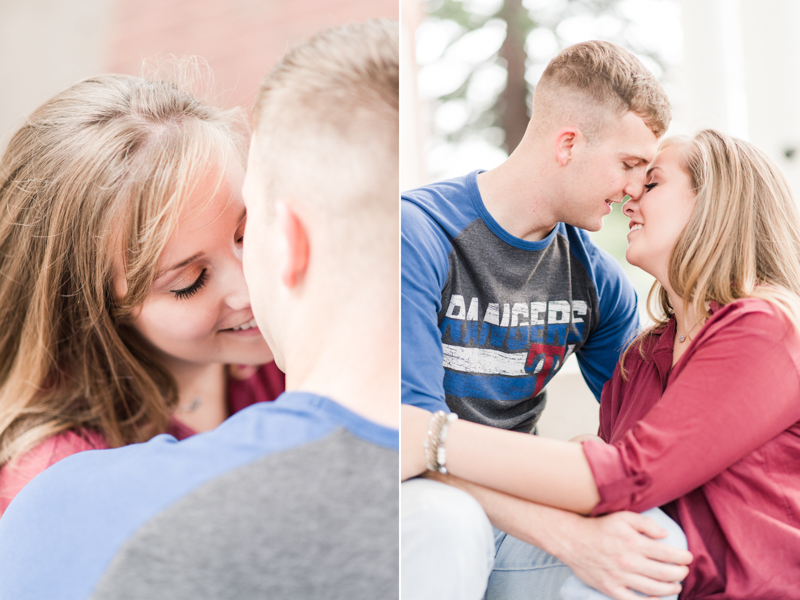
(593, 80)
(326, 119)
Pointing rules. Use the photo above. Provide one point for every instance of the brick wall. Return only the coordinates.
(240, 39)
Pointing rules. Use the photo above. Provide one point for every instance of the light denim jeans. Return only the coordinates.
(450, 551)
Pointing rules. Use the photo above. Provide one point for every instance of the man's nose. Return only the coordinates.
(635, 188)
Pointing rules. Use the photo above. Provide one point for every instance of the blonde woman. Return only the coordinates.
(702, 416)
(122, 297)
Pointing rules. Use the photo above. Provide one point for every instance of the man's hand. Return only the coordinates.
(413, 430)
(610, 554)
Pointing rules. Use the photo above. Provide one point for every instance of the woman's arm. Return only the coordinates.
(546, 471)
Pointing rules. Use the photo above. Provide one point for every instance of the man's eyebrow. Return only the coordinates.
(640, 159)
(181, 264)
(632, 157)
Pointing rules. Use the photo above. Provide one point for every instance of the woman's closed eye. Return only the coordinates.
(239, 235)
(650, 186)
(191, 290)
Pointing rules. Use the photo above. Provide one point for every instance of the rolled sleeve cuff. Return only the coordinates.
(619, 488)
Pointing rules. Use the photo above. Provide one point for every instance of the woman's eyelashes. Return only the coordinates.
(191, 290)
(650, 186)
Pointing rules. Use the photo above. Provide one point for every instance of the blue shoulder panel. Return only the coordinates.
(61, 532)
(430, 218)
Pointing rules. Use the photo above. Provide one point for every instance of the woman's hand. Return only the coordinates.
(413, 430)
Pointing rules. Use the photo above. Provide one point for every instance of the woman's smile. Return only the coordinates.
(246, 329)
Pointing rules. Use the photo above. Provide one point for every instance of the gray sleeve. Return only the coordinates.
(317, 521)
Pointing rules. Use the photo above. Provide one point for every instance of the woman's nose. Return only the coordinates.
(629, 207)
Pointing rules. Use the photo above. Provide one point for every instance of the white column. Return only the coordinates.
(713, 79)
(772, 74)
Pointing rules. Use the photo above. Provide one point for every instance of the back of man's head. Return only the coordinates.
(326, 127)
(322, 195)
(589, 84)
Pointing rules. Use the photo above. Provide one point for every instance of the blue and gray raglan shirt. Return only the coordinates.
(296, 498)
(488, 318)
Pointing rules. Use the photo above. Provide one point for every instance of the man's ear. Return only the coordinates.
(566, 140)
(295, 238)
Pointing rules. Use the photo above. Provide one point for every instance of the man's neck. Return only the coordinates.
(515, 195)
(355, 365)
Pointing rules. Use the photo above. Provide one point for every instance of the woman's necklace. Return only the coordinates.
(201, 397)
(682, 338)
(192, 406)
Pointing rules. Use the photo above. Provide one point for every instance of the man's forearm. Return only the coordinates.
(609, 553)
(542, 526)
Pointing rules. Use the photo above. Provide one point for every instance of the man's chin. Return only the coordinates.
(592, 225)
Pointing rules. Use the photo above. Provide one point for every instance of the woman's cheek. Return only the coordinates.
(174, 321)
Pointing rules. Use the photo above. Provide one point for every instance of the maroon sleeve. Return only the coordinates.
(15, 475)
(737, 390)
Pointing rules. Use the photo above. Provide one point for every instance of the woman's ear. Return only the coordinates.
(295, 241)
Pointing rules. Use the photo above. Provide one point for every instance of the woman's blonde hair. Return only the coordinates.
(743, 238)
(91, 188)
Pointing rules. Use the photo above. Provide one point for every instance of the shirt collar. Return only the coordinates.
(662, 351)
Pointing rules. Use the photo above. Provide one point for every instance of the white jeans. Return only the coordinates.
(446, 543)
(450, 551)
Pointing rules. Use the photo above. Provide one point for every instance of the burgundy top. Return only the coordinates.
(715, 441)
(267, 383)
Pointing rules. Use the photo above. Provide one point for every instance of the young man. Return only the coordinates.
(291, 499)
(499, 286)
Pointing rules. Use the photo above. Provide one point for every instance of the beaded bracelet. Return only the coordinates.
(432, 439)
(434, 444)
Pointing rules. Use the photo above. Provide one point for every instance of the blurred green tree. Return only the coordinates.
(509, 109)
